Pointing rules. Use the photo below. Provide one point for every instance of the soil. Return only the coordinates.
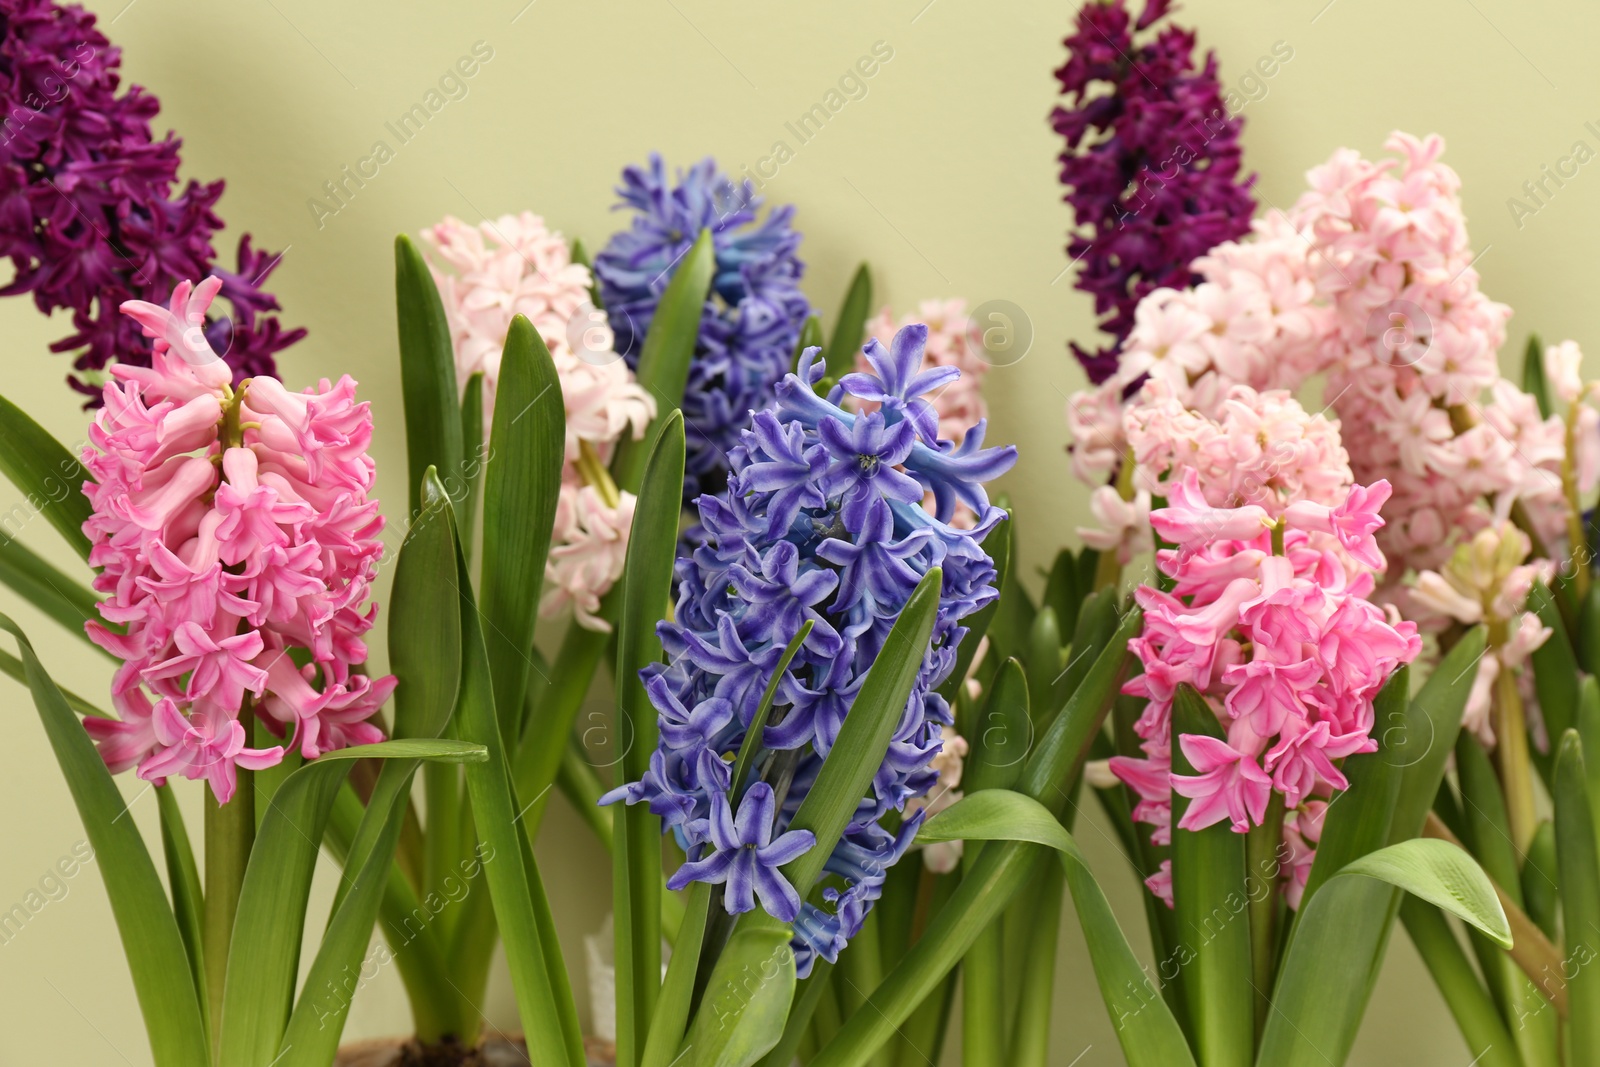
(495, 1052)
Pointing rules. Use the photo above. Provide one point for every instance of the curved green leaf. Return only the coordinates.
(264, 953)
(668, 347)
(850, 328)
(64, 600)
(1475, 1013)
(1149, 1034)
(1316, 1007)
(747, 1000)
(1423, 744)
(847, 773)
(510, 888)
(427, 372)
(1534, 382)
(1580, 902)
(527, 446)
(151, 940)
(474, 456)
(1210, 900)
(636, 857)
(184, 879)
(1000, 873)
(50, 478)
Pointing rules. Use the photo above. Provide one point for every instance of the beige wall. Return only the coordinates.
(942, 176)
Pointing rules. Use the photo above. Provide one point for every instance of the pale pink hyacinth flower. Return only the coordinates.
(1369, 280)
(1488, 580)
(1280, 643)
(942, 857)
(516, 265)
(229, 528)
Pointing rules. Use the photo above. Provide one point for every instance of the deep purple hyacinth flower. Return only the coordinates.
(1151, 163)
(822, 520)
(752, 317)
(746, 856)
(91, 213)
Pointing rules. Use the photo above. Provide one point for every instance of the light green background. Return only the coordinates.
(943, 176)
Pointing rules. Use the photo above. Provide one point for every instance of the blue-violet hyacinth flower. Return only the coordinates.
(753, 314)
(824, 519)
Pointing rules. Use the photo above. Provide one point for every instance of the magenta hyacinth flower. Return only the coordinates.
(1151, 163)
(91, 210)
(233, 529)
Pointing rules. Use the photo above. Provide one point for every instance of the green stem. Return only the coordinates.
(594, 473)
(442, 843)
(1261, 887)
(230, 832)
(1516, 768)
(1277, 538)
(1030, 1042)
(1569, 487)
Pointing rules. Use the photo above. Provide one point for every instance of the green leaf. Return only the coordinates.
(427, 372)
(425, 619)
(1000, 744)
(850, 328)
(554, 702)
(1358, 820)
(184, 878)
(751, 745)
(1149, 1034)
(1555, 672)
(636, 859)
(63, 599)
(151, 939)
(998, 545)
(747, 1000)
(847, 773)
(1534, 382)
(1211, 899)
(1475, 1013)
(580, 254)
(668, 348)
(1317, 1006)
(1423, 743)
(474, 457)
(1580, 901)
(677, 989)
(527, 446)
(1001, 872)
(809, 994)
(1061, 590)
(810, 337)
(1004, 733)
(1045, 674)
(49, 477)
(12, 666)
(264, 952)
(1588, 733)
(1541, 881)
(511, 885)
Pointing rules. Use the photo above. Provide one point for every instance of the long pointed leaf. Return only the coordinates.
(427, 372)
(1580, 902)
(50, 478)
(64, 600)
(1210, 898)
(1001, 872)
(636, 856)
(527, 444)
(264, 953)
(669, 345)
(184, 879)
(1313, 1020)
(1146, 1029)
(494, 816)
(849, 329)
(151, 940)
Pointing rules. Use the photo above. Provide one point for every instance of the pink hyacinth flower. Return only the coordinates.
(1228, 785)
(1188, 520)
(1352, 522)
(208, 744)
